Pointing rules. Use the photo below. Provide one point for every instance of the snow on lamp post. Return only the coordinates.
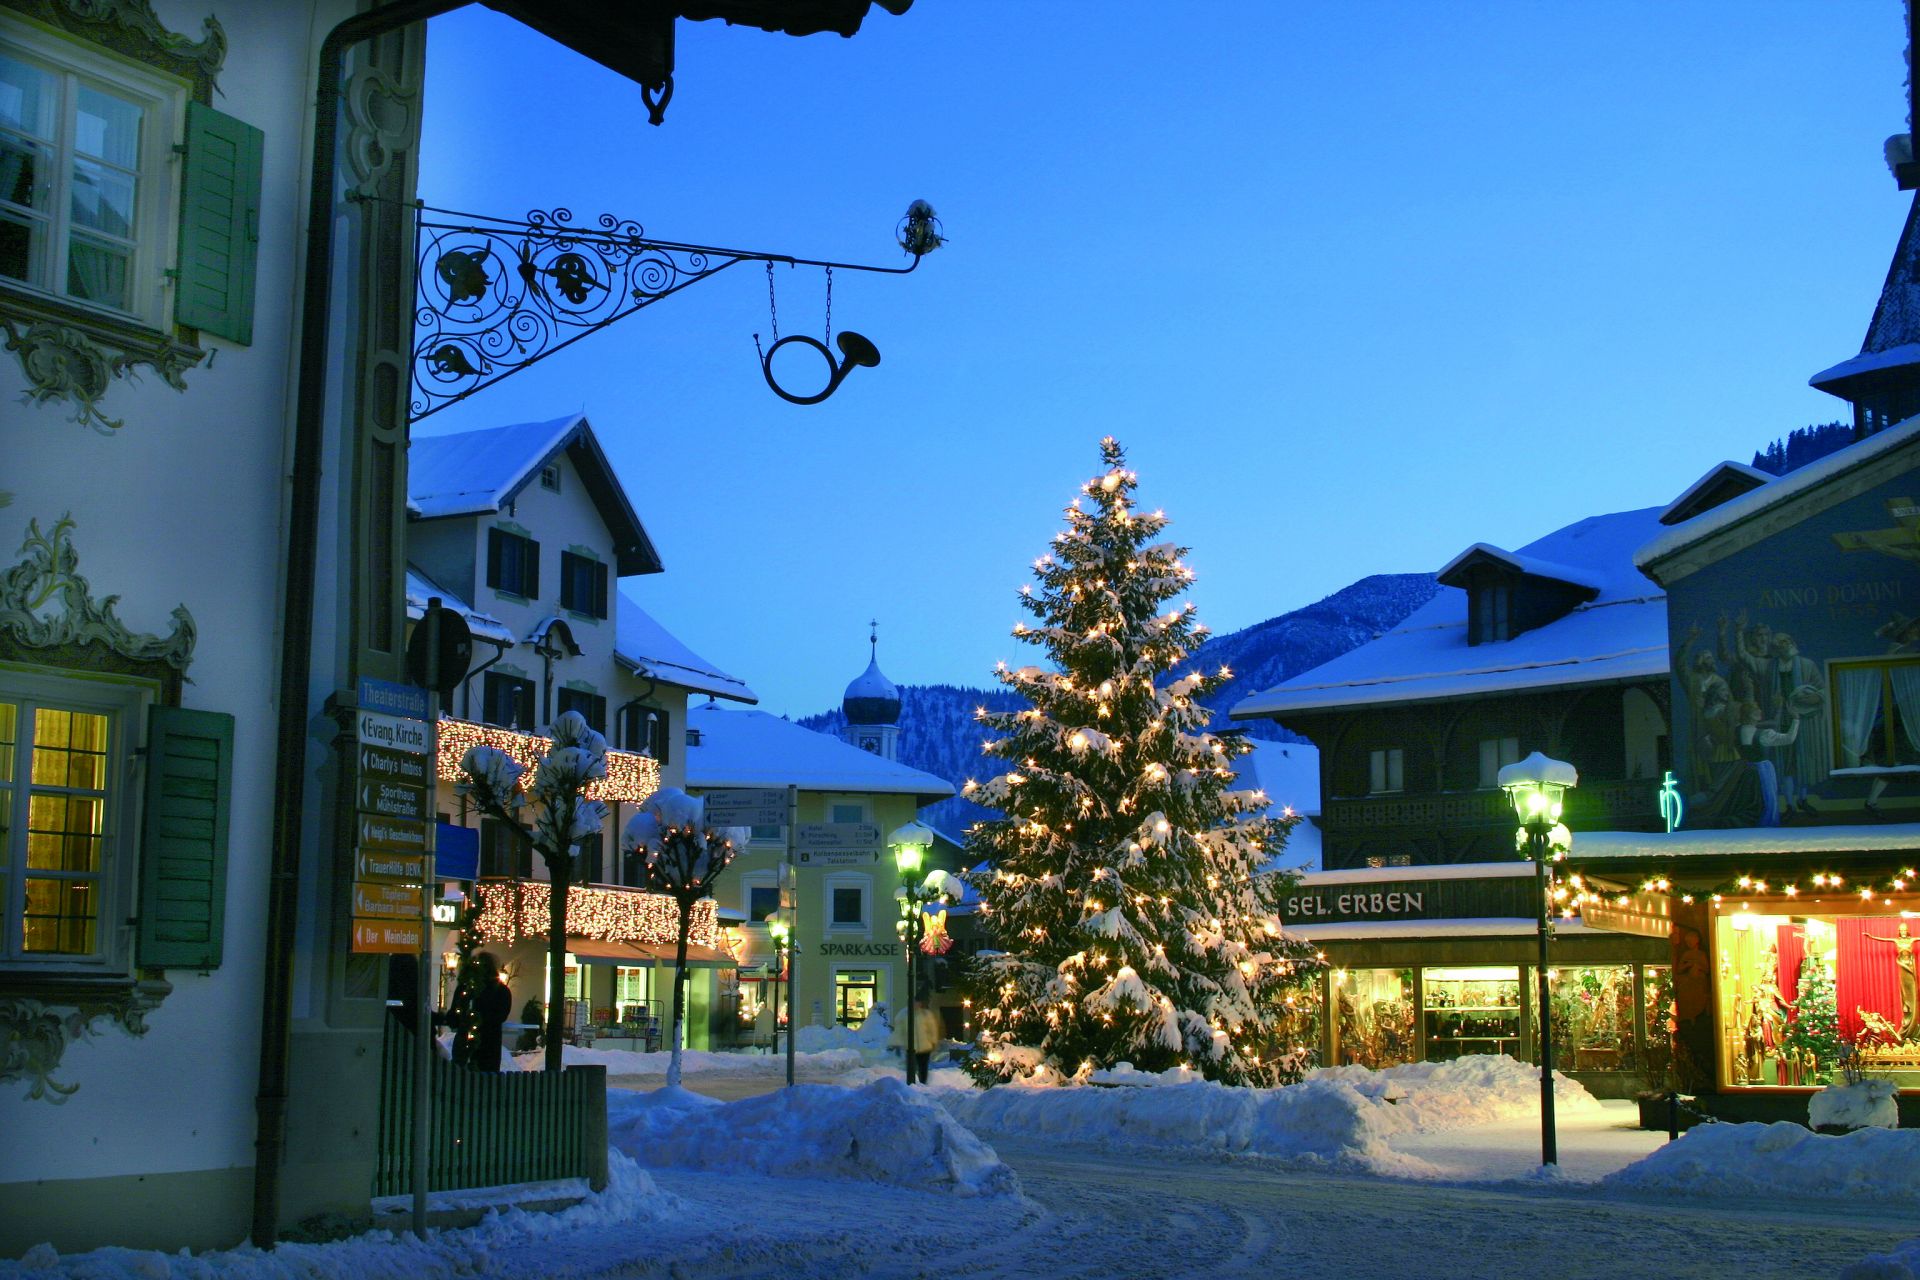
(562, 818)
(1536, 786)
(910, 844)
(683, 859)
(780, 934)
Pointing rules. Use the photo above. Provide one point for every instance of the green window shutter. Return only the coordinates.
(183, 845)
(219, 224)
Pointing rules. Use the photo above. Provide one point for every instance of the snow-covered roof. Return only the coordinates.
(1289, 772)
(1727, 474)
(1621, 634)
(1893, 336)
(1749, 505)
(652, 651)
(1891, 837)
(466, 473)
(1440, 871)
(1532, 566)
(755, 749)
(484, 626)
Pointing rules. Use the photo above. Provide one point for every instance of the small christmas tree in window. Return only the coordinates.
(1813, 1030)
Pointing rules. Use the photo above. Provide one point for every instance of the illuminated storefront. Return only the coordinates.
(1430, 964)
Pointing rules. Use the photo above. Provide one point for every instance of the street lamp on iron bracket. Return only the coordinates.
(497, 295)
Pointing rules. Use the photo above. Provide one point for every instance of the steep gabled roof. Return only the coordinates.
(1620, 634)
(649, 649)
(1725, 482)
(1893, 337)
(467, 473)
(1787, 488)
(1454, 572)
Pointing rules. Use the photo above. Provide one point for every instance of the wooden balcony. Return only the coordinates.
(1600, 806)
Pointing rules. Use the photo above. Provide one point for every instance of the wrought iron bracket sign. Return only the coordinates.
(499, 295)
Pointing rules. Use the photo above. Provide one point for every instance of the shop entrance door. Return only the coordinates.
(854, 993)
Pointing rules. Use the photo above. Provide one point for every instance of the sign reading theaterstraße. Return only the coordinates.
(1509, 896)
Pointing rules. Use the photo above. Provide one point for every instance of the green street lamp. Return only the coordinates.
(780, 934)
(910, 844)
(1537, 786)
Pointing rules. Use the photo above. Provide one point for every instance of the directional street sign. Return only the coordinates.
(400, 901)
(392, 833)
(389, 937)
(392, 699)
(840, 858)
(395, 766)
(396, 733)
(746, 807)
(372, 864)
(393, 800)
(836, 837)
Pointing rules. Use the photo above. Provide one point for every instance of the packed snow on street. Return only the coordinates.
(1430, 1169)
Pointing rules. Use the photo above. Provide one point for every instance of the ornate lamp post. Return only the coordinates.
(910, 844)
(780, 934)
(1536, 786)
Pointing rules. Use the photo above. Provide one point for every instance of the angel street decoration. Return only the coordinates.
(683, 859)
(496, 294)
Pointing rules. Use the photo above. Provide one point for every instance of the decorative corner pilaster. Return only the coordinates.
(36, 1029)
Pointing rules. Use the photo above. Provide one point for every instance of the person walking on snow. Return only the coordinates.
(926, 1033)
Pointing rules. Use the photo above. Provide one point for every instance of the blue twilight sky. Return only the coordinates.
(1356, 284)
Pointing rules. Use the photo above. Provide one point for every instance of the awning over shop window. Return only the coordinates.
(698, 957)
(600, 949)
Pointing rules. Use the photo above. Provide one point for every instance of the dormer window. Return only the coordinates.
(1491, 610)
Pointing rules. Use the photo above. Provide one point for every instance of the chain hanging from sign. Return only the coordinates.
(498, 294)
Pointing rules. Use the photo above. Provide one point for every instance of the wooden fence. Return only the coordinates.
(489, 1129)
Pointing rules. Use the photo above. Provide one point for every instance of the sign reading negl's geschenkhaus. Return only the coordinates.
(393, 792)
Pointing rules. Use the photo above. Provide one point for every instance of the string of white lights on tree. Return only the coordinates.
(507, 911)
(630, 778)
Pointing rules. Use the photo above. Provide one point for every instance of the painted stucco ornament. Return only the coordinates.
(34, 1035)
(46, 604)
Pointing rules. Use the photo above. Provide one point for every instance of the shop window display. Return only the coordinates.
(1299, 1033)
(1471, 1011)
(1593, 1017)
(1661, 1024)
(1799, 992)
(1377, 1026)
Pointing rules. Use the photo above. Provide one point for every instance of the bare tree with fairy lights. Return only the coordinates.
(562, 818)
(683, 859)
(1123, 886)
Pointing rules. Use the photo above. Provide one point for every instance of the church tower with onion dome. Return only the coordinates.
(872, 705)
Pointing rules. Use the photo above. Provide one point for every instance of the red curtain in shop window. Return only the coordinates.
(1791, 940)
(1867, 975)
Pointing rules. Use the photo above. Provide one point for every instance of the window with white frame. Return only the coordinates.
(1386, 770)
(1495, 755)
(847, 897)
(64, 809)
(759, 895)
(846, 811)
(86, 201)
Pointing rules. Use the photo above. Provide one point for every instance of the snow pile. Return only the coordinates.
(1344, 1117)
(882, 1132)
(625, 1062)
(630, 1197)
(869, 1039)
(1864, 1104)
(1901, 1264)
(1782, 1161)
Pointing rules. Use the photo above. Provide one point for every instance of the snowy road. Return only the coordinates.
(1091, 1216)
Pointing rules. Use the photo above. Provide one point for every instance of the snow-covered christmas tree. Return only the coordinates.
(1123, 886)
